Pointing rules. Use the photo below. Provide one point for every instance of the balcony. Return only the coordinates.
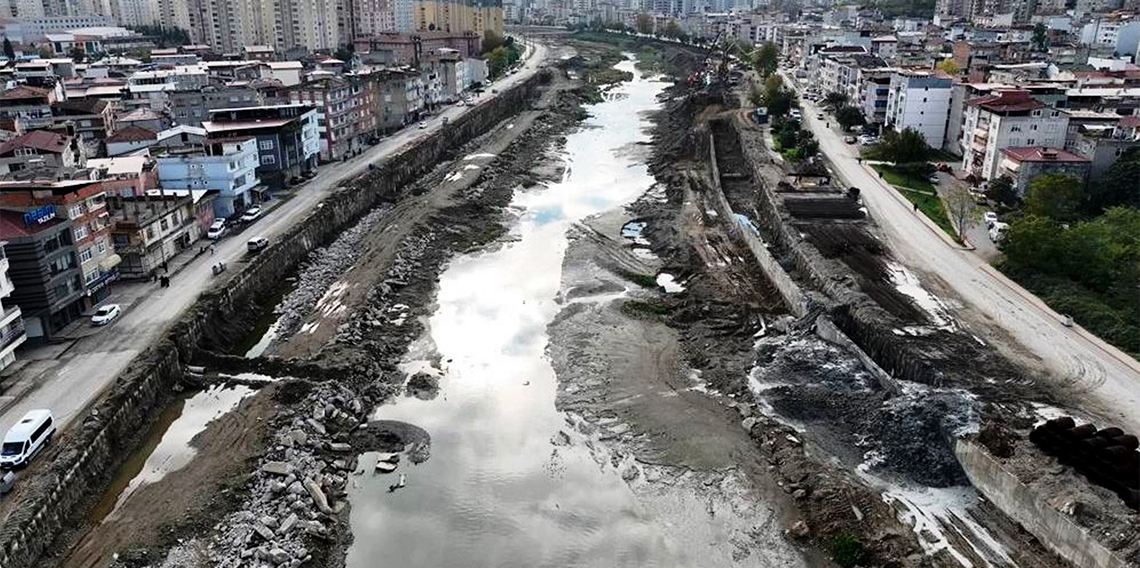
(12, 333)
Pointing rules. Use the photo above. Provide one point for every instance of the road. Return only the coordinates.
(68, 383)
(1106, 380)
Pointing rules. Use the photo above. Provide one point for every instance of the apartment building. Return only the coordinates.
(41, 151)
(344, 116)
(288, 138)
(874, 89)
(12, 333)
(44, 268)
(920, 100)
(227, 166)
(1008, 119)
(151, 229)
(32, 105)
(1022, 164)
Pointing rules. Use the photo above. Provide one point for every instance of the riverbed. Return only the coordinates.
(506, 485)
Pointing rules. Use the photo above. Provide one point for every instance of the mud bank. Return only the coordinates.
(95, 448)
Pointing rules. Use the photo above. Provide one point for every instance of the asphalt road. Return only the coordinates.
(70, 382)
(1103, 380)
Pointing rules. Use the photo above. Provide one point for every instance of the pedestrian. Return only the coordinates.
(916, 208)
(212, 250)
(164, 267)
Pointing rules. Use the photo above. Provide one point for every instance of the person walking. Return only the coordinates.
(212, 250)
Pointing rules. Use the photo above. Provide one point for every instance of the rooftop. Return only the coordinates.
(23, 92)
(12, 224)
(132, 134)
(38, 139)
(1041, 154)
(1007, 101)
(125, 165)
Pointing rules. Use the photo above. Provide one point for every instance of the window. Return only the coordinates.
(1037, 113)
(1015, 129)
(79, 232)
(164, 224)
(1031, 142)
(1033, 127)
(150, 233)
(91, 276)
(101, 246)
(268, 159)
(265, 144)
(85, 255)
(75, 211)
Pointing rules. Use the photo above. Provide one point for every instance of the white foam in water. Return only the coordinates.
(669, 283)
(907, 283)
(470, 157)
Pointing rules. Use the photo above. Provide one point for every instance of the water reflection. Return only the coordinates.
(496, 491)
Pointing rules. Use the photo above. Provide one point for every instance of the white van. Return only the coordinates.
(24, 440)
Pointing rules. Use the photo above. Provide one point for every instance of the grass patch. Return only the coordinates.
(638, 308)
(643, 280)
(847, 551)
(900, 179)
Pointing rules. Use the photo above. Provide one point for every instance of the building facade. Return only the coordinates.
(226, 166)
(1005, 119)
(919, 100)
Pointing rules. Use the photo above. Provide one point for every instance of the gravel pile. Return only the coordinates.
(299, 489)
(325, 266)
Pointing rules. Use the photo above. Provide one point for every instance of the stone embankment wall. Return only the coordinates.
(855, 314)
(795, 299)
(94, 449)
(1055, 530)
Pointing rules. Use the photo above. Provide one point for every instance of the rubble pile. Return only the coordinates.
(325, 265)
(298, 492)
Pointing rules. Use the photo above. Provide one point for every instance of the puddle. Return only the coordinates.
(501, 488)
(167, 447)
(908, 284)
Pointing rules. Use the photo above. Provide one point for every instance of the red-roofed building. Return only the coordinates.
(31, 104)
(129, 139)
(40, 150)
(1022, 164)
(1010, 118)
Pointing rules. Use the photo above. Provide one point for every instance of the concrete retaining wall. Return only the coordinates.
(789, 290)
(1056, 531)
(94, 449)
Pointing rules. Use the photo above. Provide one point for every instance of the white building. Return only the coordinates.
(919, 100)
(1008, 119)
(11, 319)
(1118, 36)
(225, 165)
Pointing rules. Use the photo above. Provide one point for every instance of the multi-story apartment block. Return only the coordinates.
(398, 98)
(44, 267)
(228, 166)
(32, 105)
(873, 93)
(1022, 164)
(151, 229)
(919, 100)
(344, 116)
(288, 138)
(1008, 119)
(12, 333)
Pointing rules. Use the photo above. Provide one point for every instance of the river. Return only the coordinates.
(500, 488)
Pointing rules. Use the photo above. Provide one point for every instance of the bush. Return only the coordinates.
(922, 170)
(847, 551)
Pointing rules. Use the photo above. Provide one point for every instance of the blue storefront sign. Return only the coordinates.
(39, 215)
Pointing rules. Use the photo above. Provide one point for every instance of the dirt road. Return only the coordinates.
(1106, 380)
(67, 384)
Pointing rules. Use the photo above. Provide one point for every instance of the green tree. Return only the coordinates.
(849, 116)
(672, 30)
(767, 59)
(9, 51)
(1040, 37)
(644, 24)
(1031, 242)
(492, 40)
(779, 102)
(1001, 190)
(77, 54)
(1056, 196)
(903, 147)
(1120, 185)
(835, 99)
(948, 66)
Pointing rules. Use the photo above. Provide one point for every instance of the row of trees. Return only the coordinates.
(846, 115)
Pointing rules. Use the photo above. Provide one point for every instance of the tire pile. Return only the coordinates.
(1107, 457)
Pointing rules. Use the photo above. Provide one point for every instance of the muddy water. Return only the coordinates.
(501, 487)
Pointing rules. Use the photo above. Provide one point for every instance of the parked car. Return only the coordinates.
(257, 244)
(251, 215)
(26, 439)
(217, 229)
(422, 125)
(933, 179)
(990, 218)
(106, 314)
(997, 231)
(820, 116)
(867, 139)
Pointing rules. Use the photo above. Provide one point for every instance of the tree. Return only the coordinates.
(77, 54)
(1119, 185)
(9, 51)
(491, 40)
(835, 99)
(644, 24)
(767, 59)
(1041, 37)
(672, 30)
(962, 210)
(849, 116)
(1001, 190)
(1056, 196)
(948, 66)
(903, 147)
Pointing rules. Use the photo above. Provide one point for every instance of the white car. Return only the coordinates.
(216, 230)
(867, 140)
(26, 439)
(990, 218)
(251, 214)
(423, 125)
(997, 231)
(106, 314)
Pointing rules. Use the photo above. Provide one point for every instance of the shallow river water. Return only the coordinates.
(499, 488)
